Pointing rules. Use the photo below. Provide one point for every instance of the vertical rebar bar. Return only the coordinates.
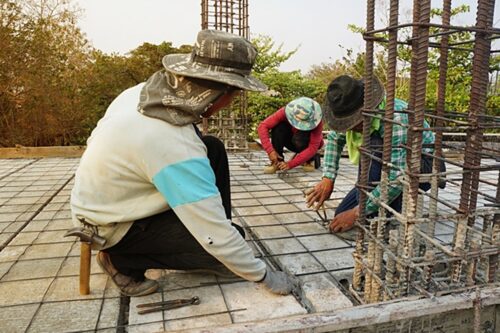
(370, 257)
(406, 189)
(472, 265)
(387, 146)
(440, 109)
(427, 274)
(418, 88)
(390, 275)
(365, 160)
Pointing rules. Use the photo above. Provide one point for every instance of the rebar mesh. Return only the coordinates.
(227, 125)
(397, 253)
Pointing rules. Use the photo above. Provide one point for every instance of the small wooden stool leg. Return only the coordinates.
(85, 256)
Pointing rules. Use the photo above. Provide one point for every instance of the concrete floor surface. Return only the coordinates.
(39, 268)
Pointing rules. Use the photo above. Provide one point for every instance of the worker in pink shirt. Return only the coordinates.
(298, 126)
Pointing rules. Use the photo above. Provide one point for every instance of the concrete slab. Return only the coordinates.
(261, 220)
(109, 315)
(323, 294)
(335, 259)
(283, 246)
(24, 238)
(264, 232)
(16, 319)
(308, 228)
(322, 242)
(23, 292)
(4, 268)
(287, 234)
(63, 288)
(71, 266)
(39, 268)
(286, 218)
(251, 301)
(67, 316)
(202, 321)
(249, 211)
(300, 264)
(39, 251)
(11, 253)
(282, 208)
(52, 237)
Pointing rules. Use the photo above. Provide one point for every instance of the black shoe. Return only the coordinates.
(317, 161)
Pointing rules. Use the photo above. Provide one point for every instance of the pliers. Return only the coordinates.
(167, 305)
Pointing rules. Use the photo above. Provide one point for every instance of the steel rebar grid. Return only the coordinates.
(230, 16)
(479, 244)
(472, 158)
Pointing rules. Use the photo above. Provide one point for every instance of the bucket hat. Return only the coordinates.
(303, 113)
(344, 101)
(218, 56)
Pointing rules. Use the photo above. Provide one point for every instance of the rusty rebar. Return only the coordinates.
(479, 86)
(390, 275)
(440, 109)
(387, 149)
(365, 160)
(413, 249)
(230, 16)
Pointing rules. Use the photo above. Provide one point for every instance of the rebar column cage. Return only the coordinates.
(400, 254)
(229, 126)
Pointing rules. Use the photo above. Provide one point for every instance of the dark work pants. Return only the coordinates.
(162, 241)
(282, 136)
(351, 200)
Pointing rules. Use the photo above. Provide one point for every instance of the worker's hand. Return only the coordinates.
(283, 166)
(274, 157)
(280, 283)
(317, 195)
(344, 221)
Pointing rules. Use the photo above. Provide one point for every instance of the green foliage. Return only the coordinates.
(269, 56)
(458, 74)
(41, 63)
(53, 85)
(113, 73)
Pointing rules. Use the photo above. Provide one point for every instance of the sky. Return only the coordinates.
(316, 27)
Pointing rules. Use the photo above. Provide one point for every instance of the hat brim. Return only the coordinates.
(342, 124)
(181, 64)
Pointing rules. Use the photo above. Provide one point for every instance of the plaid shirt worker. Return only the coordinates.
(336, 142)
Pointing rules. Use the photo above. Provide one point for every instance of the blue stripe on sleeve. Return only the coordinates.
(186, 182)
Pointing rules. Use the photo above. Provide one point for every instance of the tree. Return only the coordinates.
(113, 73)
(53, 85)
(41, 69)
(458, 75)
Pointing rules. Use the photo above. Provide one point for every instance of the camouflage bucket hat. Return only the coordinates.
(304, 113)
(218, 56)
